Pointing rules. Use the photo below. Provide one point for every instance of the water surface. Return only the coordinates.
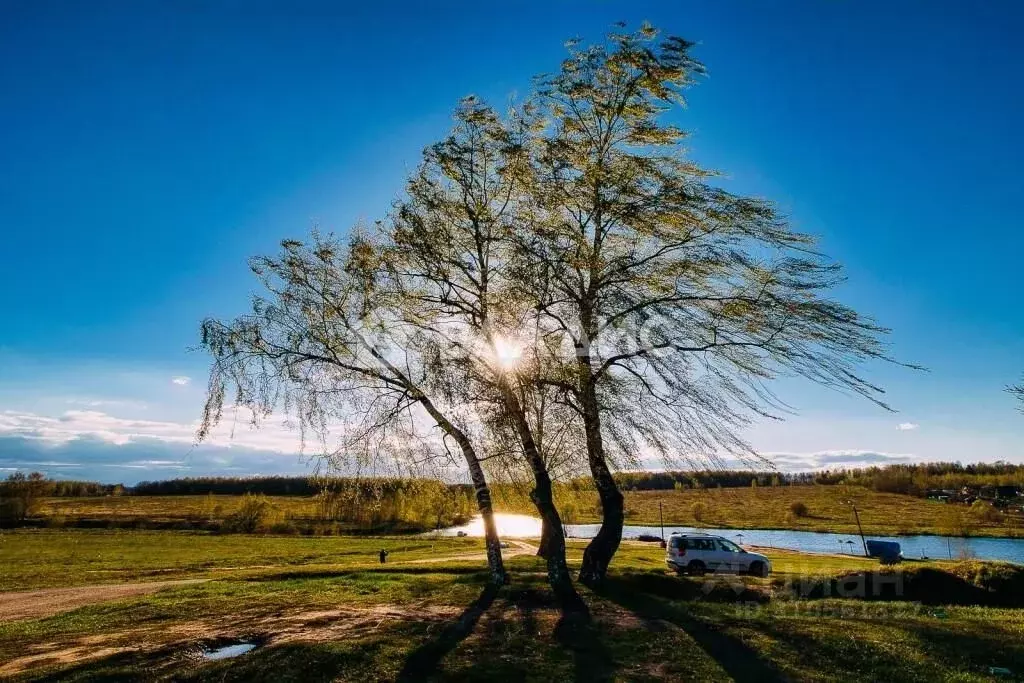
(934, 547)
(228, 651)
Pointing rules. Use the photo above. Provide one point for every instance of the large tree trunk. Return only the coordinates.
(483, 500)
(542, 495)
(483, 493)
(602, 547)
(544, 549)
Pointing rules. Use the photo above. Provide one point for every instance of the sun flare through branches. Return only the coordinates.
(507, 353)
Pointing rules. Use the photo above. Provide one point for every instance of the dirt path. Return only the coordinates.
(189, 637)
(50, 601)
(46, 602)
(515, 549)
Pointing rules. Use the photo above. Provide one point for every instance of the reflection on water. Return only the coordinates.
(229, 651)
(509, 526)
(934, 547)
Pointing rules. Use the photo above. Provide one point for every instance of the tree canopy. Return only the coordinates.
(559, 289)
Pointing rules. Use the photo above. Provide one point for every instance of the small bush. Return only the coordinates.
(799, 509)
(12, 512)
(284, 527)
(700, 511)
(985, 512)
(250, 516)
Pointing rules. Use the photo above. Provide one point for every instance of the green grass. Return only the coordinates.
(48, 557)
(325, 611)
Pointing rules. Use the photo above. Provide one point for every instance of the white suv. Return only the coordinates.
(701, 553)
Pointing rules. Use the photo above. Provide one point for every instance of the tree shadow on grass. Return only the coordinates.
(577, 633)
(425, 661)
(650, 597)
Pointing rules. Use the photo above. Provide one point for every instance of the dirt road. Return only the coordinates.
(46, 602)
(49, 601)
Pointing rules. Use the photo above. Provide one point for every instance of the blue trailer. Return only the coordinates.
(887, 551)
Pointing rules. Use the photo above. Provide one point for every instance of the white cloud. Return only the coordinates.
(836, 459)
(181, 380)
(234, 430)
(107, 403)
(907, 426)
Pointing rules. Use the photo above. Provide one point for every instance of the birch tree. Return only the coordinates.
(677, 300)
(328, 344)
(451, 250)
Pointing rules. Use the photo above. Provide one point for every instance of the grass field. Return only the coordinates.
(828, 510)
(323, 609)
(46, 558)
(739, 508)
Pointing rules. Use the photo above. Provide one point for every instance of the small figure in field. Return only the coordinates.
(383, 556)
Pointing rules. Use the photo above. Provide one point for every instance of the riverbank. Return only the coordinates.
(824, 509)
(797, 508)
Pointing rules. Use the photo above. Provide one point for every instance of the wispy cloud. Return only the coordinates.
(98, 460)
(835, 459)
(107, 403)
(181, 380)
(234, 430)
(907, 426)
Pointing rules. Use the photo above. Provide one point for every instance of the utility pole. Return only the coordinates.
(860, 529)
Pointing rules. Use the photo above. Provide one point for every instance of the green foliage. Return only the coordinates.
(985, 512)
(20, 496)
(427, 503)
(251, 515)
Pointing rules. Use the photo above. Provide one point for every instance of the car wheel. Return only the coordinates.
(758, 568)
(697, 568)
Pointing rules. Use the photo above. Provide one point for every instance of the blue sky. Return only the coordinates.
(149, 148)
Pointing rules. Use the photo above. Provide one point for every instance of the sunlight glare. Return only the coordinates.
(509, 526)
(507, 352)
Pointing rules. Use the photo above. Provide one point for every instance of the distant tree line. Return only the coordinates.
(663, 481)
(237, 486)
(916, 480)
(21, 493)
(913, 479)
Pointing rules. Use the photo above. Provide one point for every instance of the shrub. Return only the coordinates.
(284, 527)
(12, 511)
(700, 511)
(250, 516)
(985, 512)
(799, 509)
(20, 495)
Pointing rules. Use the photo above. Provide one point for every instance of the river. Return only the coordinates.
(934, 547)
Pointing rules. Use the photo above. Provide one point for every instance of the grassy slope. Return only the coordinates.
(769, 508)
(646, 626)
